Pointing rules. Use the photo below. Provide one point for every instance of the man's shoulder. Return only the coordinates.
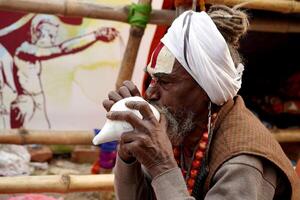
(240, 132)
(254, 174)
(247, 164)
(239, 126)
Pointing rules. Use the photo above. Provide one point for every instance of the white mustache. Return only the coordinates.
(113, 129)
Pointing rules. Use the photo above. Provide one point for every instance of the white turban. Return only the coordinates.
(200, 48)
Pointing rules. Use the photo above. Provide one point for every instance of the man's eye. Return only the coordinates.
(163, 82)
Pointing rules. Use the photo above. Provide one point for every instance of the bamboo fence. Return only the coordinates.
(56, 183)
(79, 183)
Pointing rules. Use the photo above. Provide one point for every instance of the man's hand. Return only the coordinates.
(106, 34)
(148, 142)
(127, 90)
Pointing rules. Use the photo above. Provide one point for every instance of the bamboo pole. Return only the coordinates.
(56, 183)
(287, 135)
(46, 137)
(82, 8)
(91, 9)
(131, 51)
(276, 25)
(160, 17)
(282, 6)
(85, 137)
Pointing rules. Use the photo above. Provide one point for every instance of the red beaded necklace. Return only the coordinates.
(192, 173)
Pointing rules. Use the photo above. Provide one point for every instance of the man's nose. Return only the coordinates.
(152, 94)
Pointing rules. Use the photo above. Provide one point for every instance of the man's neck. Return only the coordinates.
(192, 140)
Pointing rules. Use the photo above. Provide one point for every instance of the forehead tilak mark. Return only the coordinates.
(162, 61)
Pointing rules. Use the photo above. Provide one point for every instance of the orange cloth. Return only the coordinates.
(298, 168)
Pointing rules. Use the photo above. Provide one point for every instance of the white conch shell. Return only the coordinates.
(113, 129)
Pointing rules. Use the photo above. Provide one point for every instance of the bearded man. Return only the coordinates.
(207, 144)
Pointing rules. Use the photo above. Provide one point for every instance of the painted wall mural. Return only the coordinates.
(55, 71)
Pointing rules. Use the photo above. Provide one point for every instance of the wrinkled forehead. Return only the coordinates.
(162, 60)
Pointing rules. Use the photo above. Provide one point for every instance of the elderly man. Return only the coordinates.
(207, 144)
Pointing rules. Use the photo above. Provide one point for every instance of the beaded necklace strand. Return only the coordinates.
(197, 158)
(192, 173)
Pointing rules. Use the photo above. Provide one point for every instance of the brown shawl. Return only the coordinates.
(237, 131)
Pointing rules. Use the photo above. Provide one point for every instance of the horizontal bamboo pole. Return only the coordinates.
(282, 6)
(82, 8)
(16, 136)
(287, 135)
(160, 17)
(276, 25)
(56, 183)
(85, 137)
